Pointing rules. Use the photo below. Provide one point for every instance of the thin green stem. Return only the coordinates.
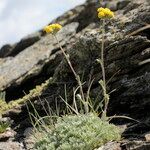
(106, 96)
(66, 56)
(77, 77)
(102, 54)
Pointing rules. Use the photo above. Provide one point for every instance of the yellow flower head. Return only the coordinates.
(105, 13)
(53, 28)
(47, 29)
(100, 9)
(101, 14)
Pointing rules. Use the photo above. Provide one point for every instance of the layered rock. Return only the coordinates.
(127, 59)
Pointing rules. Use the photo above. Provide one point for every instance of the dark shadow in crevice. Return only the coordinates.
(18, 91)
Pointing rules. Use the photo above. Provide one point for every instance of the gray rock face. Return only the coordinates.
(30, 61)
(10, 146)
(126, 55)
(5, 50)
(12, 50)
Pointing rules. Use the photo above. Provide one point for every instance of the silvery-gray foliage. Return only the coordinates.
(78, 132)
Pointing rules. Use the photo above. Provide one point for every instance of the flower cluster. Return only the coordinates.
(53, 28)
(105, 13)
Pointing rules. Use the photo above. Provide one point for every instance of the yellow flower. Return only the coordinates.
(101, 14)
(111, 14)
(48, 29)
(53, 28)
(106, 10)
(100, 9)
(105, 13)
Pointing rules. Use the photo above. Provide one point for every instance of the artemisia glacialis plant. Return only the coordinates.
(53, 29)
(104, 14)
(83, 131)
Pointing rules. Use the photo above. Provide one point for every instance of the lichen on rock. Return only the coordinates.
(37, 91)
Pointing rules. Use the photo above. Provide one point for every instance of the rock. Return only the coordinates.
(127, 59)
(124, 55)
(147, 137)
(30, 62)
(28, 132)
(2, 60)
(80, 14)
(110, 146)
(9, 133)
(136, 145)
(5, 50)
(29, 139)
(12, 50)
(122, 4)
(5, 120)
(29, 143)
(11, 146)
(24, 43)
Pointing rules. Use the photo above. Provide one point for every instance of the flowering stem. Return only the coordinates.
(104, 13)
(106, 98)
(102, 53)
(66, 56)
(77, 77)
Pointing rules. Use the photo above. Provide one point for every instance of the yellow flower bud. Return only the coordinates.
(58, 26)
(105, 13)
(48, 29)
(100, 9)
(101, 14)
(106, 10)
(53, 28)
(111, 15)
